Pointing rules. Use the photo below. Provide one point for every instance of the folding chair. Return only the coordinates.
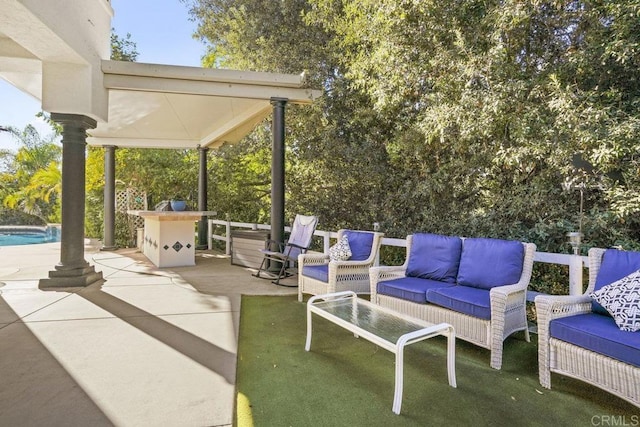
(287, 253)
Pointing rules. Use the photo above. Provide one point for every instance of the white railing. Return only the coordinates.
(576, 263)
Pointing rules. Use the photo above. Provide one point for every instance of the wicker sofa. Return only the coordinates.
(317, 274)
(478, 285)
(578, 338)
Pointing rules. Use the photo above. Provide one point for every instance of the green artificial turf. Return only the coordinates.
(346, 381)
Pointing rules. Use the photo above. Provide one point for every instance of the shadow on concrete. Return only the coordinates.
(197, 349)
(36, 389)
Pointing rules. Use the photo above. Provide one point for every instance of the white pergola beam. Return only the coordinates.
(202, 74)
(208, 88)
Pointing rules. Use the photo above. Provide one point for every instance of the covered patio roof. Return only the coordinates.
(57, 52)
(168, 106)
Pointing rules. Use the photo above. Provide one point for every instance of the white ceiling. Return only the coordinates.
(165, 106)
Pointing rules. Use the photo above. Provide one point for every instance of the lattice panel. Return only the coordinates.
(132, 199)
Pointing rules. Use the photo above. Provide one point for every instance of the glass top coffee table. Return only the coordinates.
(383, 327)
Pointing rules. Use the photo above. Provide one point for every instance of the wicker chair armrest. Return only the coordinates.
(504, 298)
(380, 273)
(549, 307)
(312, 259)
(349, 263)
(348, 267)
(340, 271)
(387, 272)
(508, 289)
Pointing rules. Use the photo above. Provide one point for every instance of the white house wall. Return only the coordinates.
(70, 39)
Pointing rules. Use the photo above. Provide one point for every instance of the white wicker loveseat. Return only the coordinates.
(318, 274)
(477, 285)
(578, 338)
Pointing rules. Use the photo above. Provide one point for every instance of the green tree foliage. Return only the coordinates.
(123, 48)
(332, 148)
(473, 118)
(31, 177)
(493, 100)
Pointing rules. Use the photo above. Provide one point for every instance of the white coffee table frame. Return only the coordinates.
(335, 308)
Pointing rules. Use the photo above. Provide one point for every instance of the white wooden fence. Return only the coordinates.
(576, 263)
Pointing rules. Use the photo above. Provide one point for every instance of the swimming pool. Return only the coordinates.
(28, 235)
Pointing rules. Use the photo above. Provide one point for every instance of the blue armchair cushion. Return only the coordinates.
(409, 288)
(600, 334)
(463, 299)
(615, 265)
(622, 300)
(434, 257)
(486, 263)
(318, 272)
(360, 243)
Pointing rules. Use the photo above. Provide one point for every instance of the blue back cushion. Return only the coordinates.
(486, 263)
(434, 257)
(360, 243)
(615, 265)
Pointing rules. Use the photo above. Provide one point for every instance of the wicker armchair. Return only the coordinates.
(555, 355)
(317, 274)
(507, 306)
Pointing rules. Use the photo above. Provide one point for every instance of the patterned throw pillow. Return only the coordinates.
(622, 301)
(341, 251)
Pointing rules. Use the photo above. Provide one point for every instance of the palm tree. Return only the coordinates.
(33, 176)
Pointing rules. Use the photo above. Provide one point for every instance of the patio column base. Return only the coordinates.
(84, 276)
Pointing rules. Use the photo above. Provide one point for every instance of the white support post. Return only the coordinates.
(575, 275)
(326, 242)
(376, 261)
(210, 234)
(227, 248)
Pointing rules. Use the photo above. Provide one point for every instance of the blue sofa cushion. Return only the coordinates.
(486, 263)
(434, 257)
(615, 265)
(599, 334)
(360, 243)
(463, 299)
(318, 272)
(409, 288)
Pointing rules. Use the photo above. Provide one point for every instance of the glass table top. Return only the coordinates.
(371, 318)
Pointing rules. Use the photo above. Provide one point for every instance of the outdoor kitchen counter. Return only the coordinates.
(169, 236)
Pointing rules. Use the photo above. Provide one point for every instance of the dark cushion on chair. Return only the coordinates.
(615, 265)
(318, 272)
(463, 299)
(434, 257)
(599, 334)
(409, 288)
(486, 263)
(360, 243)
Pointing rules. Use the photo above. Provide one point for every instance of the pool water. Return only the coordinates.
(13, 236)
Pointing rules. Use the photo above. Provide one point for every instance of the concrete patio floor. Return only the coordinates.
(147, 347)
